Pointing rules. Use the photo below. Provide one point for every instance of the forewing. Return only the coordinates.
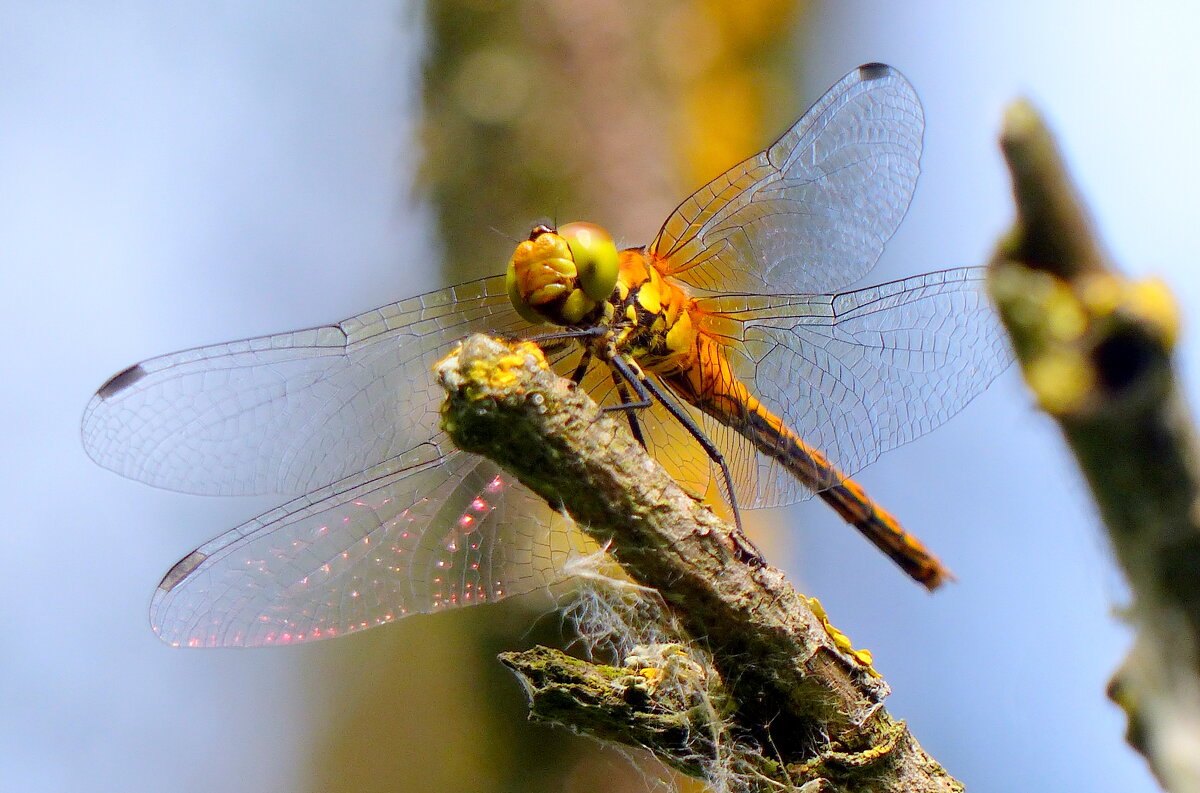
(433, 529)
(859, 373)
(293, 411)
(813, 211)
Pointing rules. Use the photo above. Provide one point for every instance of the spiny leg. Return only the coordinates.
(647, 390)
(628, 407)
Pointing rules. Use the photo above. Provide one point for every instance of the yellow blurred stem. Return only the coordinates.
(1095, 347)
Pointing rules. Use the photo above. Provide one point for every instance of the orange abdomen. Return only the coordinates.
(711, 385)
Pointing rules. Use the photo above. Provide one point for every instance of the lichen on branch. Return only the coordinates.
(801, 694)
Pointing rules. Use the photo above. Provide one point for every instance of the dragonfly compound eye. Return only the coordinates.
(595, 255)
(540, 272)
(561, 276)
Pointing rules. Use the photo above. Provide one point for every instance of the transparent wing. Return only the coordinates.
(433, 529)
(293, 411)
(858, 373)
(812, 212)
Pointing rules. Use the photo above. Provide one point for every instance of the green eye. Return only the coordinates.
(595, 256)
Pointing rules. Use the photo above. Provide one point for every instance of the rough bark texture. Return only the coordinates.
(793, 685)
(1095, 348)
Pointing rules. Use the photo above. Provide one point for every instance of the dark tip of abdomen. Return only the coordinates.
(121, 380)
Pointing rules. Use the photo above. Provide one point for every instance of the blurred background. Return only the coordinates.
(174, 177)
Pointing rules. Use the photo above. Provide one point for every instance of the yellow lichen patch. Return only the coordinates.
(481, 379)
(1042, 306)
(1064, 318)
(665, 663)
(841, 641)
(524, 353)
(501, 375)
(1059, 327)
(1023, 296)
(1101, 293)
(1151, 299)
(1061, 380)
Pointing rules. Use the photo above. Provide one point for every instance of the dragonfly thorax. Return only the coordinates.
(653, 320)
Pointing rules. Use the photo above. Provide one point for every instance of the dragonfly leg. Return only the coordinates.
(647, 390)
(630, 408)
(626, 405)
(585, 363)
(570, 333)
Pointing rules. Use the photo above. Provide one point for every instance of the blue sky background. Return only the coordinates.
(173, 178)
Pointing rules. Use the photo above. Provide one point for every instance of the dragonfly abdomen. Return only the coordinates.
(711, 385)
(885, 533)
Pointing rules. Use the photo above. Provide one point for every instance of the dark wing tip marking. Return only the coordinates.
(874, 71)
(121, 380)
(182, 569)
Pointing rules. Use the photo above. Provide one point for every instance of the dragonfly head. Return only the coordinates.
(561, 275)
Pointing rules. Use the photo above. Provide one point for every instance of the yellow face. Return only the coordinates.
(561, 275)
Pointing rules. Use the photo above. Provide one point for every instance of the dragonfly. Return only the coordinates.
(766, 382)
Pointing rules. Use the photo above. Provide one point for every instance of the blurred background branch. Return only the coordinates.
(1096, 348)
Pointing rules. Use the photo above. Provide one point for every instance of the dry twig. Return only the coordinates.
(792, 685)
